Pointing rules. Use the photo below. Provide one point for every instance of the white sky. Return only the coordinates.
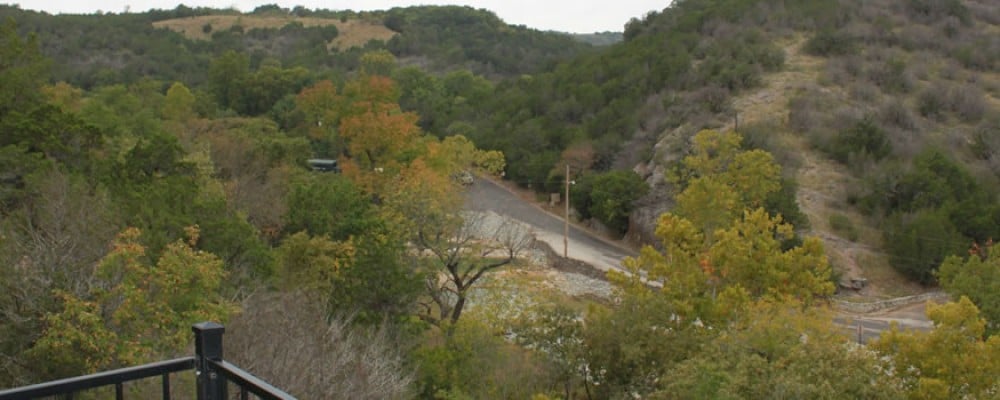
(580, 16)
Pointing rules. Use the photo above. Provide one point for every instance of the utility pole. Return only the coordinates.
(566, 218)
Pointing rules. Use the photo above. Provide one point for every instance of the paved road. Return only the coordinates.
(872, 328)
(485, 195)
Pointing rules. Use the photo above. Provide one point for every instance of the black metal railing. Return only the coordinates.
(212, 372)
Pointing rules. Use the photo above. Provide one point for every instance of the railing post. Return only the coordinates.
(208, 346)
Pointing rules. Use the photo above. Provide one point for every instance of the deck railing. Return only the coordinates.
(213, 375)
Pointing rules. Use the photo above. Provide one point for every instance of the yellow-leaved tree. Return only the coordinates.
(953, 361)
(720, 180)
(721, 247)
(136, 311)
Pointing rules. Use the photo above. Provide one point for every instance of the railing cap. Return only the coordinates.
(208, 326)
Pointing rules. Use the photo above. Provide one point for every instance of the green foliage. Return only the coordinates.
(784, 203)
(978, 278)
(473, 363)
(22, 70)
(136, 311)
(328, 205)
(179, 103)
(555, 332)
(252, 93)
(454, 35)
(737, 63)
(780, 351)
(609, 197)
(659, 335)
(535, 117)
(863, 140)
(58, 135)
(934, 210)
(376, 283)
(918, 243)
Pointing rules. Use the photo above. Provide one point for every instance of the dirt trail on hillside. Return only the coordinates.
(823, 183)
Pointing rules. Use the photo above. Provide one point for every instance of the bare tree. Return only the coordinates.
(460, 254)
(286, 339)
(50, 244)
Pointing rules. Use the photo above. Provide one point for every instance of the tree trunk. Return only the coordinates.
(457, 311)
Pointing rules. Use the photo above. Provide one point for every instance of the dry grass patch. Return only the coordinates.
(351, 33)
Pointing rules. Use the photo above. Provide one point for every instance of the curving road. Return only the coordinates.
(485, 195)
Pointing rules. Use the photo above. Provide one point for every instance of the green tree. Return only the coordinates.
(978, 278)
(23, 70)
(226, 75)
(335, 212)
(918, 243)
(613, 197)
(379, 62)
(781, 350)
(178, 105)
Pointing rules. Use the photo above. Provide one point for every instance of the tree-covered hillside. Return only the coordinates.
(101, 49)
(883, 113)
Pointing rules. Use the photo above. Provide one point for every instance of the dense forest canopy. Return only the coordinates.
(153, 174)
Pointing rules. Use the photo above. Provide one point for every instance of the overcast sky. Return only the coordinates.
(580, 16)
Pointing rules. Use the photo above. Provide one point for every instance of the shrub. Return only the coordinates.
(765, 135)
(919, 242)
(895, 113)
(929, 11)
(967, 102)
(891, 75)
(828, 42)
(986, 140)
(843, 226)
(864, 92)
(715, 99)
(931, 102)
(864, 138)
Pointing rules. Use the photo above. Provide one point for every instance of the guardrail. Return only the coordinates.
(212, 372)
(881, 305)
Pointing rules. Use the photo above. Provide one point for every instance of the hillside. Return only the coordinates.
(888, 77)
(847, 95)
(179, 44)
